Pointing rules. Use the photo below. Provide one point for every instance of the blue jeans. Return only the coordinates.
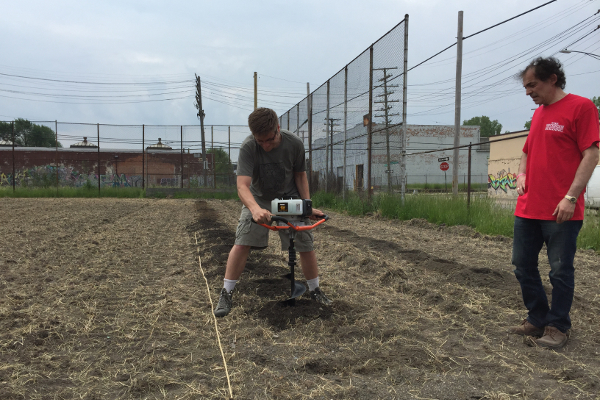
(561, 242)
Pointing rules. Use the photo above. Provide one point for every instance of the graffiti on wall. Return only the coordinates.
(197, 181)
(6, 180)
(169, 181)
(503, 181)
(47, 175)
(122, 180)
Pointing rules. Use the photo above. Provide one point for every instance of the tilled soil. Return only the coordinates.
(108, 299)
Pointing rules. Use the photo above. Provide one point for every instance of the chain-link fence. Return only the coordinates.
(350, 123)
(58, 154)
(355, 134)
(353, 127)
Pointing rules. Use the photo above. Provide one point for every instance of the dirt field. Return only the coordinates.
(106, 299)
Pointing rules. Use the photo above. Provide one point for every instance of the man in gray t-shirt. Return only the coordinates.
(271, 165)
(272, 171)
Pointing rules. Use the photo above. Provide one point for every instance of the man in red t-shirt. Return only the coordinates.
(558, 159)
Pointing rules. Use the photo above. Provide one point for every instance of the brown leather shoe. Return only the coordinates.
(553, 338)
(527, 329)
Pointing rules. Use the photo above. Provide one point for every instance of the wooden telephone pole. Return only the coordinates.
(386, 110)
(255, 91)
(201, 117)
(457, 104)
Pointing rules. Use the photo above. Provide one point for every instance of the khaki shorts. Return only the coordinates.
(250, 234)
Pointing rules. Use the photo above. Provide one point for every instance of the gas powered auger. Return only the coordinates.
(292, 213)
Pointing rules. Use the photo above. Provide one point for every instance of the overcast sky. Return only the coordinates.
(133, 62)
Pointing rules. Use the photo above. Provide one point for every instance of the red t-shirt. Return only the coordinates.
(559, 133)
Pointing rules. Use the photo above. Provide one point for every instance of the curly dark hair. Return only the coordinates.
(544, 68)
(263, 121)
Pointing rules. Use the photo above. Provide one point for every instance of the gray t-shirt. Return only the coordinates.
(272, 172)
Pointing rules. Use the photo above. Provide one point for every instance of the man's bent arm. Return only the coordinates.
(521, 175)
(584, 171)
(259, 214)
(244, 193)
(302, 184)
(565, 209)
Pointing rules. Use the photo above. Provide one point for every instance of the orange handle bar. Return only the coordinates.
(292, 226)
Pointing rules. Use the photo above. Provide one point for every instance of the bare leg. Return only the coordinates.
(308, 261)
(236, 262)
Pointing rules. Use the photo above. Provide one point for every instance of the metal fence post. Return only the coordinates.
(143, 156)
(370, 125)
(345, 130)
(13, 156)
(404, 111)
(309, 112)
(212, 149)
(56, 145)
(182, 156)
(469, 179)
(327, 142)
(229, 154)
(98, 128)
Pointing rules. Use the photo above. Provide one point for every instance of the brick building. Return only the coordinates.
(84, 164)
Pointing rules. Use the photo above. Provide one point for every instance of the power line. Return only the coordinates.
(516, 36)
(477, 33)
(510, 19)
(111, 102)
(94, 83)
(91, 96)
(506, 64)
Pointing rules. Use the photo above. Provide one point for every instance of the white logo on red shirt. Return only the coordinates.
(554, 126)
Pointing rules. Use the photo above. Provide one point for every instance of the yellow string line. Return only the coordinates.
(214, 318)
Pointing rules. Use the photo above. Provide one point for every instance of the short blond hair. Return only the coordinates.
(263, 121)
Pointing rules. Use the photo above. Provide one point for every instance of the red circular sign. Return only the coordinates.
(444, 166)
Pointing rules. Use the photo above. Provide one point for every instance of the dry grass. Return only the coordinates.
(104, 299)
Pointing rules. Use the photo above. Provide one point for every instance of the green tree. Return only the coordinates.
(528, 124)
(596, 101)
(487, 127)
(223, 165)
(28, 134)
(5, 131)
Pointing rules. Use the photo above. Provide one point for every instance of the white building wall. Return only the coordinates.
(421, 168)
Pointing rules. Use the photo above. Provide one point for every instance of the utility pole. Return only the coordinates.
(201, 116)
(457, 104)
(255, 91)
(386, 108)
